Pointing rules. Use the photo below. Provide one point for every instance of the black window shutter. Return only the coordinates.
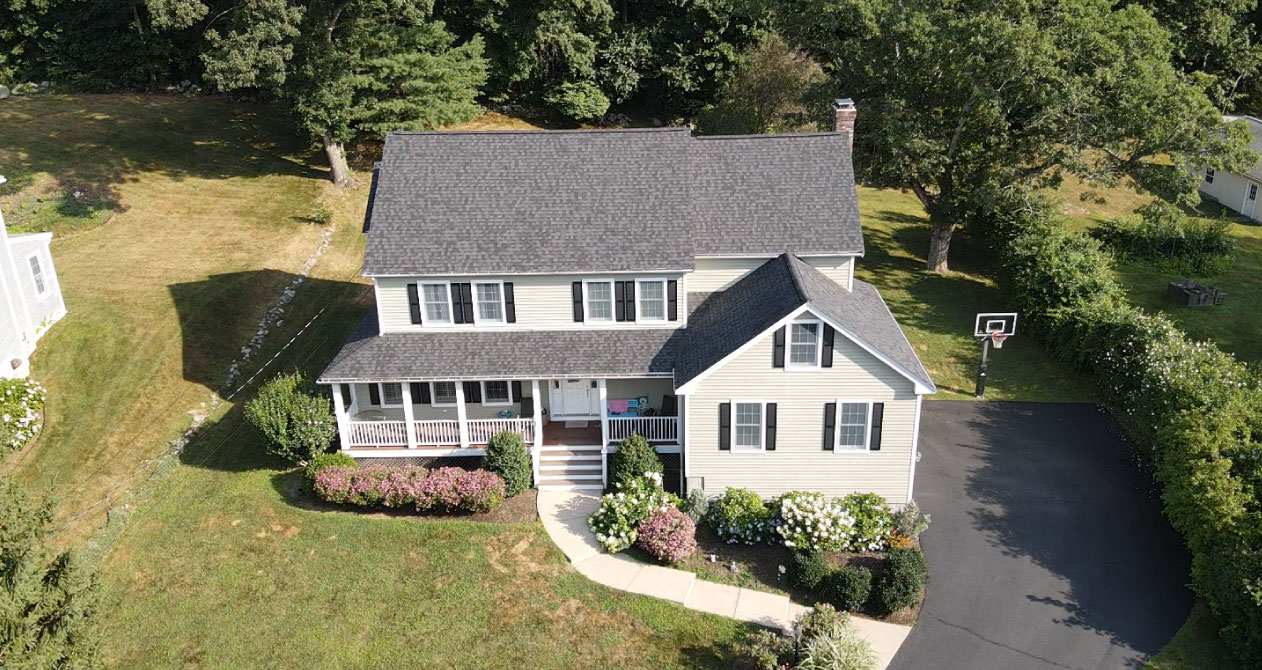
(829, 336)
(472, 392)
(672, 300)
(577, 290)
(770, 443)
(830, 425)
(457, 307)
(510, 308)
(725, 426)
(414, 303)
(516, 391)
(374, 395)
(420, 393)
(346, 395)
(878, 413)
(619, 301)
(777, 349)
(629, 293)
(466, 298)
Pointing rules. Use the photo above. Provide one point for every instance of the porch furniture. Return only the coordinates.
(1193, 294)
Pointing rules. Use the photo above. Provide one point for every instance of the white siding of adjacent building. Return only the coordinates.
(799, 461)
(544, 302)
(718, 274)
(47, 307)
(1230, 190)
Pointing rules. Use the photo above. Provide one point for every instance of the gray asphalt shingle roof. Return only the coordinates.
(605, 201)
(719, 324)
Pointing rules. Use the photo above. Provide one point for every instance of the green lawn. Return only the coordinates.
(1195, 647)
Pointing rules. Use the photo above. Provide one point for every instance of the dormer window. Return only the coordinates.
(651, 303)
(804, 341)
(490, 302)
(437, 303)
(599, 301)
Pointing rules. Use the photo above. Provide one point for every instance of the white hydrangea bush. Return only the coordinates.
(811, 522)
(21, 402)
(617, 522)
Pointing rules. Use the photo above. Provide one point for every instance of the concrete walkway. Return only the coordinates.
(564, 515)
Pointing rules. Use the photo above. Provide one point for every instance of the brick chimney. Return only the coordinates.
(844, 114)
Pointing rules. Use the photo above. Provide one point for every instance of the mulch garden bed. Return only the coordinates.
(521, 508)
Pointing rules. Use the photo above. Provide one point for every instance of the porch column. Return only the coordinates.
(460, 416)
(343, 421)
(408, 424)
(604, 431)
(538, 418)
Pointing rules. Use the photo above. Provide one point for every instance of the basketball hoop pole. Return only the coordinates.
(981, 370)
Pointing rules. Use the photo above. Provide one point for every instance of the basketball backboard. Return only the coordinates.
(989, 322)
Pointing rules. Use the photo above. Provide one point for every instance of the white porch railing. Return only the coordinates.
(481, 430)
(436, 433)
(651, 428)
(379, 434)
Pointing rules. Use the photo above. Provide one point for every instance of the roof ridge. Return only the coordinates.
(542, 131)
(798, 284)
(771, 136)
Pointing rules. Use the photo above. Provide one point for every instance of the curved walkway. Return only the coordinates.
(564, 515)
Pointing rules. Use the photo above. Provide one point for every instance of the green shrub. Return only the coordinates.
(764, 650)
(739, 515)
(902, 576)
(910, 522)
(810, 522)
(820, 620)
(507, 457)
(838, 649)
(633, 459)
(696, 505)
(21, 401)
(297, 423)
(617, 522)
(873, 521)
(1162, 232)
(322, 461)
(810, 569)
(581, 101)
(850, 587)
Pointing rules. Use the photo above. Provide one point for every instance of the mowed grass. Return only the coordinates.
(937, 312)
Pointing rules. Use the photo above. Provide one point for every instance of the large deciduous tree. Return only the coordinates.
(774, 89)
(47, 602)
(961, 99)
(349, 69)
(1217, 37)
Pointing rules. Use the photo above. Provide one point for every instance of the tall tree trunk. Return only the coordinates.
(939, 245)
(339, 170)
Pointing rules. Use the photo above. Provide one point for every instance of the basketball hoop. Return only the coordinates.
(991, 329)
(997, 337)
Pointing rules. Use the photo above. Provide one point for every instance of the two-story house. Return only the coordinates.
(579, 287)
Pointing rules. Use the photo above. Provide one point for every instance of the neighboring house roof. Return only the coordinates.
(367, 356)
(1255, 145)
(605, 201)
(779, 288)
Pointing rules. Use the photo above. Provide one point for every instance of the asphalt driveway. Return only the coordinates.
(1047, 549)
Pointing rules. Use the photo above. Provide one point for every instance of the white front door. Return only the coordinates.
(575, 397)
(1250, 200)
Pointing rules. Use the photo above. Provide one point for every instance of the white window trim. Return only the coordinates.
(381, 394)
(433, 395)
(477, 318)
(762, 427)
(451, 307)
(867, 432)
(819, 346)
(613, 303)
(497, 403)
(42, 275)
(665, 301)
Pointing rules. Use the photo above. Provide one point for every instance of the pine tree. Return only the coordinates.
(46, 603)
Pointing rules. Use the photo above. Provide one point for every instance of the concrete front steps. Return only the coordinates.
(571, 468)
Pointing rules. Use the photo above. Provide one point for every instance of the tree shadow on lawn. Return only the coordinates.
(1057, 484)
(97, 142)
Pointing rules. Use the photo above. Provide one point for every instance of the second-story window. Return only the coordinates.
(651, 299)
(599, 300)
(490, 302)
(804, 344)
(437, 303)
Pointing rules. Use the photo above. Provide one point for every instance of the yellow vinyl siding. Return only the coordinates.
(718, 274)
(544, 302)
(799, 461)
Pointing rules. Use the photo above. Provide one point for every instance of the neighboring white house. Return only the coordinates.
(578, 287)
(30, 297)
(1235, 191)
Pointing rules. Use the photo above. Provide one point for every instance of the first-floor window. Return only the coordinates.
(599, 300)
(444, 393)
(747, 426)
(38, 273)
(437, 303)
(496, 393)
(1253, 191)
(1209, 176)
(852, 425)
(391, 394)
(490, 299)
(651, 296)
(804, 344)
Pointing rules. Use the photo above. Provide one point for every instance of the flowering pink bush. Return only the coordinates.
(447, 489)
(669, 535)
